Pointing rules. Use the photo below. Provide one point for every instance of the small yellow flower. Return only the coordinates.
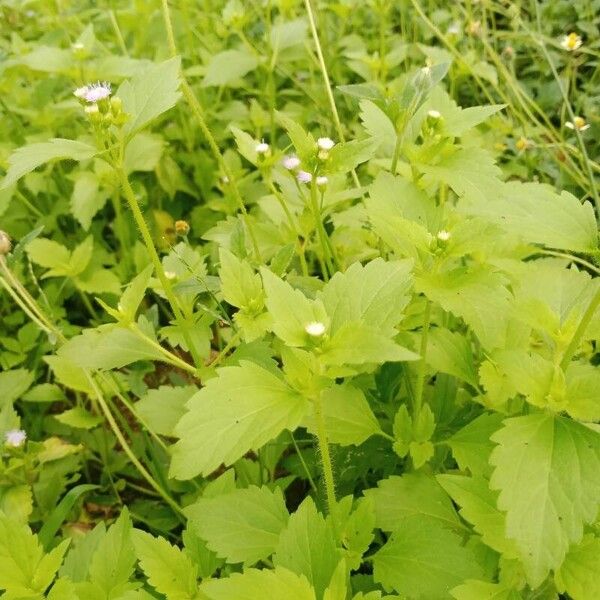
(571, 42)
(523, 144)
(578, 123)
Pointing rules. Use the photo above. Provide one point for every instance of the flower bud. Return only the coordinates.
(182, 228)
(321, 182)
(5, 243)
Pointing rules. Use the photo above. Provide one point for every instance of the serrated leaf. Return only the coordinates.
(79, 418)
(134, 293)
(346, 156)
(583, 392)
(539, 215)
(28, 158)
(478, 506)
(307, 547)
(547, 469)
(240, 526)
(287, 34)
(414, 496)
(281, 584)
(378, 126)
(150, 93)
(374, 294)
(143, 152)
(578, 574)
(13, 384)
(240, 285)
(114, 558)
(228, 66)
(239, 410)
(169, 570)
(163, 407)
(482, 590)
(348, 417)
(450, 352)
(87, 198)
(424, 560)
(49, 254)
(471, 445)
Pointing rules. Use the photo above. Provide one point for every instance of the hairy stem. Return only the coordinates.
(420, 385)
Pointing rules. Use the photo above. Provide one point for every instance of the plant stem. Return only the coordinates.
(576, 339)
(127, 448)
(420, 385)
(160, 272)
(326, 463)
(303, 463)
(198, 111)
(321, 233)
(326, 81)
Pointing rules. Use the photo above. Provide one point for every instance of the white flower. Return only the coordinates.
(262, 148)
(434, 114)
(170, 274)
(443, 235)
(578, 123)
(315, 328)
(94, 92)
(322, 181)
(15, 438)
(304, 177)
(571, 42)
(77, 46)
(291, 162)
(325, 143)
(454, 29)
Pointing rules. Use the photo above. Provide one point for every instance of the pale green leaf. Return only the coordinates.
(374, 294)
(450, 352)
(239, 410)
(424, 560)
(162, 408)
(414, 496)
(307, 547)
(583, 392)
(378, 125)
(87, 198)
(287, 34)
(252, 584)
(240, 526)
(134, 293)
(168, 569)
(539, 214)
(228, 66)
(348, 417)
(143, 152)
(49, 254)
(547, 469)
(478, 506)
(150, 93)
(27, 158)
(79, 418)
(240, 285)
(578, 574)
(482, 590)
(13, 384)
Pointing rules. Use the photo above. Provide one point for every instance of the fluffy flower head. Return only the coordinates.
(15, 438)
(571, 42)
(315, 328)
(325, 143)
(94, 92)
(291, 162)
(304, 177)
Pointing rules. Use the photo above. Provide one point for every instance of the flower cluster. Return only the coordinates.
(292, 163)
(100, 107)
(15, 438)
(571, 42)
(94, 92)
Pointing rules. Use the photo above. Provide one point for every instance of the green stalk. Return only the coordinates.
(198, 111)
(321, 233)
(326, 81)
(578, 335)
(160, 272)
(420, 385)
(326, 463)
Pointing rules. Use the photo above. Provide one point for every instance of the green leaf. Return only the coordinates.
(378, 126)
(24, 569)
(414, 496)
(134, 293)
(169, 570)
(252, 585)
(163, 407)
(357, 344)
(539, 215)
(16, 501)
(150, 93)
(374, 294)
(87, 198)
(307, 547)
(241, 526)
(26, 159)
(291, 310)
(240, 285)
(79, 418)
(470, 172)
(547, 469)
(49, 254)
(583, 397)
(578, 575)
(424, 560)
(239, 410)
(109, 348)
(450, 352)
(287, 34)
(346, 156)
(482, 590)
(114, 558)
(478, 507)
(348, 416)
(13, 384)
(228, 66)
(471, 445)
(479, 297)
(143, 152)
(304, 143)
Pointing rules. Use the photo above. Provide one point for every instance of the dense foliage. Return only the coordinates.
(300, 300)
